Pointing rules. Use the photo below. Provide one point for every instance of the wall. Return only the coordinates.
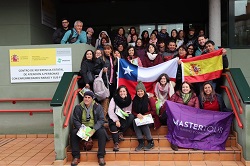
(21, 23)
(38, 122)
(239, 58)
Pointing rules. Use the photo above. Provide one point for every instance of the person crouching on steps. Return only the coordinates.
(89, 113)
(120, 117)
(143, 105)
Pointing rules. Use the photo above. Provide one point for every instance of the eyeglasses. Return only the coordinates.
(190, 48)
(64, 22)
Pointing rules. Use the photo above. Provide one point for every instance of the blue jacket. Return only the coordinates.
(82, 38)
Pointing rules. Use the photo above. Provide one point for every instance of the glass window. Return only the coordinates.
(242, 23)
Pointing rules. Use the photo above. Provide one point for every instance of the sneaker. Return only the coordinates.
(101, 161)
(174, 147)
(149, 146)
(116, 147)
(121, 138)
(140, 147)
(75, 162)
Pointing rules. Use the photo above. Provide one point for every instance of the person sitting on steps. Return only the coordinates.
(89, 113)
(119, 123)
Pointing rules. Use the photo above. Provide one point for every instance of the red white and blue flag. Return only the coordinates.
(129, 74)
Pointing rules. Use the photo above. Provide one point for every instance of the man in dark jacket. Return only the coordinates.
(89, 113)
(59, 32)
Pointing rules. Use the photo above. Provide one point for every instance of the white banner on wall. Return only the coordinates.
(39, 65)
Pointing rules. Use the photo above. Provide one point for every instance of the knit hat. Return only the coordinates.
(90, 30)
(141, 86)
(89, 93)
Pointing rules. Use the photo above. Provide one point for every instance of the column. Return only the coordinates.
(215, 21)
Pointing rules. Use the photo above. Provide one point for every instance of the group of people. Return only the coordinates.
(147, 51)
(90, 113)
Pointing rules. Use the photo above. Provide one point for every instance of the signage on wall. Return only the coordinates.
(39, 65)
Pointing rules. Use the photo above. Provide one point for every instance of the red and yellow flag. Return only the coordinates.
(202, 68)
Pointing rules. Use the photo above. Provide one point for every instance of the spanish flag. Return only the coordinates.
(202, 68)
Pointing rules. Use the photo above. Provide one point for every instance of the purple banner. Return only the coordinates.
(190, 127)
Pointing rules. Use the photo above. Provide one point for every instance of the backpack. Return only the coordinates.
(72, 39)
(99, 88)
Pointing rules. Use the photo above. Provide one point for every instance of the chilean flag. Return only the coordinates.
(129, 74)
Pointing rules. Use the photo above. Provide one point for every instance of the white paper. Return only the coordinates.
(147, 119)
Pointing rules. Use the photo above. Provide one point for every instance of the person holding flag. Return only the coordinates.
(185, 96)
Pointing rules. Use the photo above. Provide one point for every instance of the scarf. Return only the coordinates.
(186, 97)
(122, 102)
(87, 109)
(162, 93)
(151, 56)
(209, 98)
(140, 105)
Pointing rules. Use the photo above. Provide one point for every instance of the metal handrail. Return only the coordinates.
(14, 100)
(68, 101)
(66, 122)
(27, 110)
(234, 93)
(233, 106)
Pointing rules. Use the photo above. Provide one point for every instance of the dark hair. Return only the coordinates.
(184, 47)
(201, 36)
(210, 42)
(130, 30)
(120, 87)
(129, 47)
(190, 85)
(203, 95)
(165, 75)
(156, 49)
(93, 55)
(122, 29)
(64, 18)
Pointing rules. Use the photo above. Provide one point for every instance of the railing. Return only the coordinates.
(31, 111)
(233, 91)
(14, 100)
(66, 122)
(68, 101)
(233, 106)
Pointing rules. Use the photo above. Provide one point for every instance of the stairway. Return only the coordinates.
(161, 152)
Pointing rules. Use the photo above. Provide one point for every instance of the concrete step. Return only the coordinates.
(161, 152)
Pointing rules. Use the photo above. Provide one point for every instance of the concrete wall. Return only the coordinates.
(20, 23)
(23, 122)
(239, 58)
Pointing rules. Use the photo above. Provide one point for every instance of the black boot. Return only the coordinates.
(174, 147)
(150, 145)
(116, 147)
(140, 146)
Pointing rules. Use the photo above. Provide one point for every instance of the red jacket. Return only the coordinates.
(146, 62)
(193, 102)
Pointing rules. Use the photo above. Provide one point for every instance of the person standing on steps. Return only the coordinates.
(120, 117)
(89, 113)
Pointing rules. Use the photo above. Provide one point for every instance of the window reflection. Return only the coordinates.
(242, 23)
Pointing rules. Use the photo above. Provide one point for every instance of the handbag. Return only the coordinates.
(88, 145)
(90, 76)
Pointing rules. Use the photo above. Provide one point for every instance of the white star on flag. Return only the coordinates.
(127, 70)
